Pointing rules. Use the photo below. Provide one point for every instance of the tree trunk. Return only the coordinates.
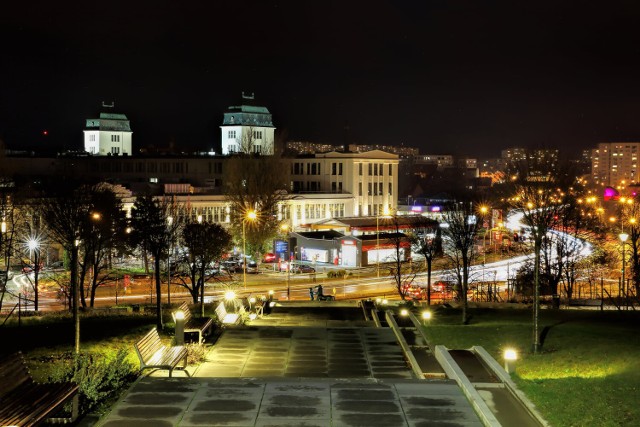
(536, 295)
(463, 291)
(75, 288)
(36, 273)
(429, 260)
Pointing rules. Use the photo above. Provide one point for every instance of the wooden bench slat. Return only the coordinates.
(154, 355)
(27, 403)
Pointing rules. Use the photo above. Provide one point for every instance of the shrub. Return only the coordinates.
(336, 274)
(196, 354)
(99, 377)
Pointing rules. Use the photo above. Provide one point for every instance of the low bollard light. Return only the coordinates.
(426, 316)
(404, 312)
(385, 302)
(378, 301)
(179, 338)
(510, 357)
(229, 295)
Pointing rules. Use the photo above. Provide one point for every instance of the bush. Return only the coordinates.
(336, 274)
(99, 377)
(196, 353)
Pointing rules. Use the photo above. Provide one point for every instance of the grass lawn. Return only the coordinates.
(588, 372)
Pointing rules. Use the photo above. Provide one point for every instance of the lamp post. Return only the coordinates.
(285, 229)
(623, 238)
(384, 214)
(34, 249)
(170, 223)
(377, 246)
(251, 215)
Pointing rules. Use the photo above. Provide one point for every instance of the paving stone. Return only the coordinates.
(149, 412)
(224, 405)
(137, 423)
(370, 420)
(218, 419)
(156, 398)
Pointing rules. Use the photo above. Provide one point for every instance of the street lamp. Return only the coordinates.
(384, 214)
(251, 215)
(285, 229)
(170, 223)
(623, 238)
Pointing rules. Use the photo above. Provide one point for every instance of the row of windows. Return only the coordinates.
(375, 169)
(256, 148)
(298, 186)
(336, 187)
(114, 138)
(257, 134)
(312, 168)
(152, 167)
(375, 190)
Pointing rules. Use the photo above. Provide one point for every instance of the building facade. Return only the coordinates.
(247, 128)
(108, 135)
(615, 164)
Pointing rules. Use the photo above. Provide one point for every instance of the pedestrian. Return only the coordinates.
(319, 293)
(311, 293)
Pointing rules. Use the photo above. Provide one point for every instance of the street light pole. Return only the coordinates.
(623, 238)
(170, 222)
(378, 245)
(250, 215)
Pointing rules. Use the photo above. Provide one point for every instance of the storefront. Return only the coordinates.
(315, 246)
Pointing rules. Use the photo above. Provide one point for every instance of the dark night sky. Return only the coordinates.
(462, 77)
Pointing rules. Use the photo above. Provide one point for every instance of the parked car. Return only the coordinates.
(252, 267)
(269, 257)
(302, 268)
(231, 267)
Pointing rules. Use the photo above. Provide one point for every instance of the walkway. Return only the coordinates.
(340, 371)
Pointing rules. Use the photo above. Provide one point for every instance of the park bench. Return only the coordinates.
(227, 318)
(201, 326)
(155, 355)
(24, 402)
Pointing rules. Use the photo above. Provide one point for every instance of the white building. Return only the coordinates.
(108, 135)
(247, 129)
(370, 178)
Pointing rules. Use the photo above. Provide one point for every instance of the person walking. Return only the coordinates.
(311, 293)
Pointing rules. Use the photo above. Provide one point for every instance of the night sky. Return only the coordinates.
(460, 77)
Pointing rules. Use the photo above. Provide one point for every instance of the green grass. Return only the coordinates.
(588, 372)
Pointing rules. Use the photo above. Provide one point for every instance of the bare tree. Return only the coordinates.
(104, 229)
(251, 141)
(462, 222)
(255, 183)
(403, 278)
(8, 217)
(541, 200)
(428, 243)
(66, 213)
(149, 231)
(205, 243)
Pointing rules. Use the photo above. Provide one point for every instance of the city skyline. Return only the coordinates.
(459, 78)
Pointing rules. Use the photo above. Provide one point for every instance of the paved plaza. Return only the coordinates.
(316, 371)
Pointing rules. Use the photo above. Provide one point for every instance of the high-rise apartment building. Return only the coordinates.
(615, 164)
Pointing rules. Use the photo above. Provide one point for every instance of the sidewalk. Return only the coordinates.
(301, 366)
